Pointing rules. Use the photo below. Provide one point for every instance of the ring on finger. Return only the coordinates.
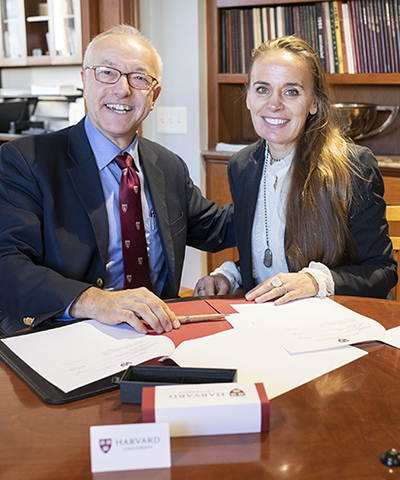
(276, 282)
(284, 290)
(200, 289)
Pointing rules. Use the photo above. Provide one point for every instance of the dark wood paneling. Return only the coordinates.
(99, 15)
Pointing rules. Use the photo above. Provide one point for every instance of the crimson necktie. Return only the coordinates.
(134, 246)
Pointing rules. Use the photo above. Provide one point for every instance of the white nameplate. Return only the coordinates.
(130, 447)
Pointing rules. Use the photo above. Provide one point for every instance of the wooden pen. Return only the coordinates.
(200, 318)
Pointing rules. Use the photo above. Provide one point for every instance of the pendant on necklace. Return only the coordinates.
(268, 258)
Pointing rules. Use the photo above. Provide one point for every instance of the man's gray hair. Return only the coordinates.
(124, 29)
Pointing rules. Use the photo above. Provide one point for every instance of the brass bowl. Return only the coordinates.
(357, 119)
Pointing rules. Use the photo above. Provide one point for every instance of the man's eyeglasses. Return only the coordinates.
(140, 81)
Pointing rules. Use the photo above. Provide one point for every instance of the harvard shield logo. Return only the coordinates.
(236, 392)
(105, 444)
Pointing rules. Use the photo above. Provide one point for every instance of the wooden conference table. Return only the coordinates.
(334, 427)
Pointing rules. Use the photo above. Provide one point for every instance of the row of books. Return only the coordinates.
(357, 36)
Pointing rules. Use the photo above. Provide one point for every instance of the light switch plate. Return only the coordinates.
(171, 120)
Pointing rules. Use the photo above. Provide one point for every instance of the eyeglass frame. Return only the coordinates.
(154, 81)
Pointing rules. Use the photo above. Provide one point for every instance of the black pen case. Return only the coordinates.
(136, 377)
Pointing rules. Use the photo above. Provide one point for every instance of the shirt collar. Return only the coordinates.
(105, 150)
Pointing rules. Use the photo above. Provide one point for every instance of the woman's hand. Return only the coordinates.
(284, 288)
(212, 285)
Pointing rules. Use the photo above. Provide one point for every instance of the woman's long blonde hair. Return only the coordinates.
(321, 187)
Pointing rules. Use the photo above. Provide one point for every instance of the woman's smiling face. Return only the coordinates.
(280, 97)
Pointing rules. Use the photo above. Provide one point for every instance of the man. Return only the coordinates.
(60, 231)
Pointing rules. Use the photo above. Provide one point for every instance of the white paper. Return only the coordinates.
(393, 337)
(75, 355)
(130, 447)
(312, 324)
(259, 358)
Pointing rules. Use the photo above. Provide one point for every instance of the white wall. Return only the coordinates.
(177, 29)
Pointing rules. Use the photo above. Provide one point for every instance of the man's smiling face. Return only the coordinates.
(117, 110)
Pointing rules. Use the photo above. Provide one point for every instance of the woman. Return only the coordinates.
(309, 213)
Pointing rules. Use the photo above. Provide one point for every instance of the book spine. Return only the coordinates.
(247, 39)
(251, 33)
(356, 43)
(280, 22)
(265, 26)
(384, 34)
(379, 59)
(396, 7)
(296, 20)
(308, 25)
(230, 56)
(320, 33)
(343, 38)
(303, 33)
(243, 62)
(336, 25)
(394, 27)
(348, 38)
(289, 13)
(222, 42)
(389, 21)
(329, 38)
(272, 23)
(368, 47)
(235, 41)
(256, 27)
(314, 28)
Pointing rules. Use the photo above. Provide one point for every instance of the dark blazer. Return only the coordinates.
(376, 271)
(54, 226)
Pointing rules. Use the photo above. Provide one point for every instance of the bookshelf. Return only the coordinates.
(229, 120)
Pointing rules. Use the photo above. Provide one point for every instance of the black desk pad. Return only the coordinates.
(46, 390)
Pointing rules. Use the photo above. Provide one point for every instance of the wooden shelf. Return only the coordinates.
(253, 3)
(333, 79)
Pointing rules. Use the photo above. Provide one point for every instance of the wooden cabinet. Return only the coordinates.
(56, 32)
(36, 32)
(217, 187)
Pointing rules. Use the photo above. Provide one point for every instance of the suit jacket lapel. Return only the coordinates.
(245, 206)
(155, 179)
(86, 180)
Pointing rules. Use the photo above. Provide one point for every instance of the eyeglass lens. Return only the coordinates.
(112, 75)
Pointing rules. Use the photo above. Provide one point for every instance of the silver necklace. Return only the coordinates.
(268, 252)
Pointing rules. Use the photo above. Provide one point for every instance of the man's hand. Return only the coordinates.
(131, 306)
(212, 285)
